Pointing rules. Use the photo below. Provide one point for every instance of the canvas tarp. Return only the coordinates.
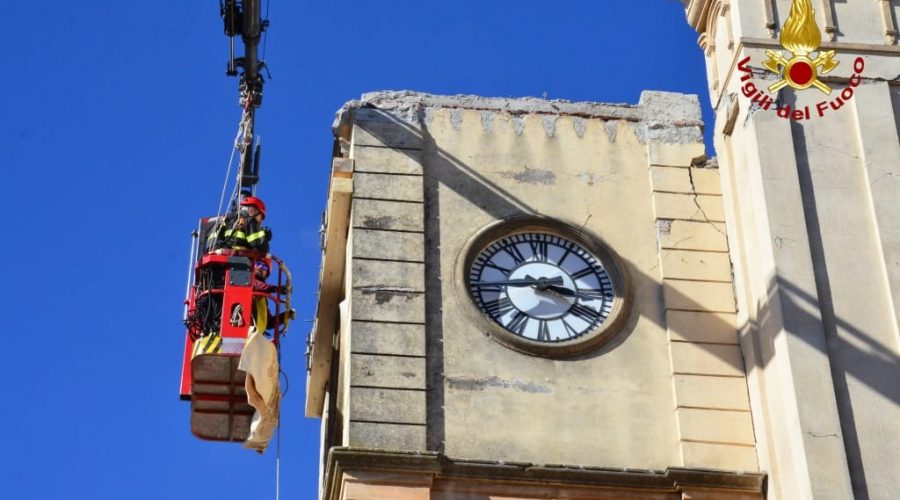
(260, 361)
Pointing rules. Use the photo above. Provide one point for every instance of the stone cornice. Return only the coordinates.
(765, 43)
(855, 48)
(439, 467)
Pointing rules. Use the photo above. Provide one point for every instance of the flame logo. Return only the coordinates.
(800, 35)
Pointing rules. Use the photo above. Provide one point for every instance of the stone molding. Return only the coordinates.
(433, 472)
(711, 402)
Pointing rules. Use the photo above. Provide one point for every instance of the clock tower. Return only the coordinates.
(523, 298)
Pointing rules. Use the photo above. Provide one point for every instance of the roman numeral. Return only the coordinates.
(543, 331)
(498, 307)
(592, 294)
(499, 268)
(539, 249)
(517, 323)
(584, 272)
(514, 252)
(585, 313)
(565, 254)
(569, 329)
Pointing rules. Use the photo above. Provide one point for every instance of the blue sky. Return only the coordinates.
(118, 124)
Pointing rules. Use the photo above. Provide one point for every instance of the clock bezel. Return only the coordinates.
(582, 344)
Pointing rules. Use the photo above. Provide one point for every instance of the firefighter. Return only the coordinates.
(247, 231)
(215, 229)
(261, 304)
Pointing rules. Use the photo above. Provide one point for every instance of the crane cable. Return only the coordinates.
(278, 458)
(242, 140)
(290, 287)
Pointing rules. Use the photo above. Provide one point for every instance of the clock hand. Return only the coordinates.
(568, 292)
(528, 281)
(561, 290)
(517, 283)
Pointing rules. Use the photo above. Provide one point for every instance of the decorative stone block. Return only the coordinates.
(387, 338)
(388, 215)
(692, 326)
(369, 159)
(387, 405)
(702, 208)
(698, 295)
(388, 245)
(701, 391)
(709, 266)
(393, 372)
(707, 359)
(388, 187)
(685, 235)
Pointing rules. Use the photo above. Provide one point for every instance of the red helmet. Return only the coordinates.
(253, 201)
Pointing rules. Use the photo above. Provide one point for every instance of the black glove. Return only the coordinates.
(268, 234)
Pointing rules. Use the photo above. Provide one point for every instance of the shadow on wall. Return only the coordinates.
(400, 130)
(405, 128)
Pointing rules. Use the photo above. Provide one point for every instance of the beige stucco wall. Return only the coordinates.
(815, 242)
(604, 409)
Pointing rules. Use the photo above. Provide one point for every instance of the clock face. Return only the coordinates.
(541, 287)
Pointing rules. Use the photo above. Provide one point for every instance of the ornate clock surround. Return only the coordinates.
(584, 343)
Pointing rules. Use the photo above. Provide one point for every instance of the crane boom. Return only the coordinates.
(242, 18)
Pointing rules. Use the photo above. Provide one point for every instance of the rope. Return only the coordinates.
(278, 431)
(237, 137)
(241, 141)
(237, 315)
(278, 458)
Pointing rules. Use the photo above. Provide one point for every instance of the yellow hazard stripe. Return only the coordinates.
(255, 236)
(215, 345)
(210, 344)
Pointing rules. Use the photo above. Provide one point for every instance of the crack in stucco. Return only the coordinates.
(882, 177)
(780, 241)
(837, 150)
(695, 197)
(813, 434)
